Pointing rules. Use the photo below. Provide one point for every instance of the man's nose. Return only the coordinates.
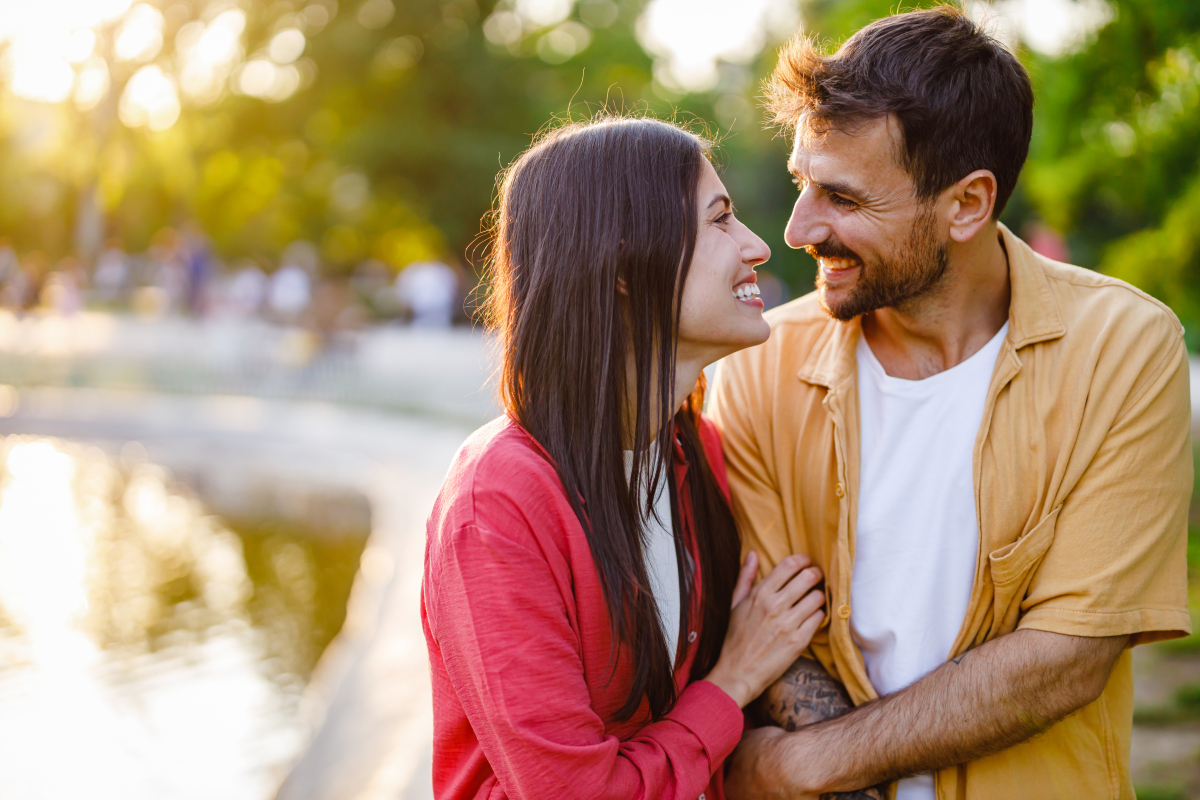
(806, 225)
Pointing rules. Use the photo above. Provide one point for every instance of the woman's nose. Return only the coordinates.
(754, 250)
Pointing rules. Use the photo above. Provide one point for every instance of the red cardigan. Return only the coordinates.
(519, 646)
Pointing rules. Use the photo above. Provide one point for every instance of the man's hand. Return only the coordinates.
(805, 694)
(988, 699)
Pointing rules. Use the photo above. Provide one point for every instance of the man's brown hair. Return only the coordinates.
(963, 101)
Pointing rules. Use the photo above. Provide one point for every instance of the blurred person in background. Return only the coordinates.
(245, 291)
(199, 267)
(24, 288)
(110, 278)
(167, 256)
(9, 263)
(291, 286)
(430, 290)
(582, 560)
(289, 293)
(986, 452)
(62, 291)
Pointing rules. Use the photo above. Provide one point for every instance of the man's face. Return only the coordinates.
(877, 245)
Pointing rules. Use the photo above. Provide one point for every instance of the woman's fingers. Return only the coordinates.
(783, 573)
(745, 578)
(808, 628)
(807, 606)
(799, 586)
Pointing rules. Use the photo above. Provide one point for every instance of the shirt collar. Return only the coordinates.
(1032, 317)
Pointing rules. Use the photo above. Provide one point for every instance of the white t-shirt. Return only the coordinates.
(662, 564)
(917, 537)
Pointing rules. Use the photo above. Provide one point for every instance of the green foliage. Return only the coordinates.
(390, 151)
(391, 146)
(1115, 162)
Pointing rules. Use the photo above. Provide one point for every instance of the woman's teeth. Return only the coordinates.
(746, 291)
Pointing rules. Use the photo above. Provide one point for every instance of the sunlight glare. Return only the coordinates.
(140, 37)
(286, 46)
(690, 36)
(266, 80)
(93, 84)
(209, 54)
(133, 722)
(37, 73)
(43, 546)
(80, 45)
(46, 37)
(150, 99)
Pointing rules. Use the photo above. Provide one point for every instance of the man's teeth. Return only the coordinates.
(837, 263)
(746, 291)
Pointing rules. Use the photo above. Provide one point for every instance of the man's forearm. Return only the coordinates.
(807, 694)
(991, 698)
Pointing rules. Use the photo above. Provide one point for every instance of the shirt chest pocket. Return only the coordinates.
(1012, 568)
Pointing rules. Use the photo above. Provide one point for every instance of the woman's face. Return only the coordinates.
(721, 312)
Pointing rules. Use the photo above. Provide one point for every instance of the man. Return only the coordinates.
(986, 452)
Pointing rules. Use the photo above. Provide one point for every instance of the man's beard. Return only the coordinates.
(918, 267)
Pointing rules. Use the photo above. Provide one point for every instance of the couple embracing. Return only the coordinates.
(930, 509)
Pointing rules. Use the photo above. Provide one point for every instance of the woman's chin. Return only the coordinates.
(745, 336)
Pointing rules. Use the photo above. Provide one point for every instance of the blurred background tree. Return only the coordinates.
(375, 128)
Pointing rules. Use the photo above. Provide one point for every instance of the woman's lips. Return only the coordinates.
(747, 293)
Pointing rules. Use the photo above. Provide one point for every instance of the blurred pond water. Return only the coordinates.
(147, 647)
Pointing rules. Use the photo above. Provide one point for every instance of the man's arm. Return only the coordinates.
(807, 694)
(990, 698)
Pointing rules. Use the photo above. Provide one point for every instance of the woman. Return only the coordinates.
(582, 559)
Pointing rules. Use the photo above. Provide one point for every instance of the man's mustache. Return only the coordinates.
(831, 250)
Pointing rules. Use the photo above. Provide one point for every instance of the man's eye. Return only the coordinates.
(842, 201)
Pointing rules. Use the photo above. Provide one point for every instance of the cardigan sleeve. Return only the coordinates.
(503, 627)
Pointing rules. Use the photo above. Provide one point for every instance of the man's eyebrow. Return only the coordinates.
(831, 187)
(720, 198)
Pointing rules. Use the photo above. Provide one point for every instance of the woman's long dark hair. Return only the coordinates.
(589, 205)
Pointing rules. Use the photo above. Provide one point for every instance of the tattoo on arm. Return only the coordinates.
(806, 694)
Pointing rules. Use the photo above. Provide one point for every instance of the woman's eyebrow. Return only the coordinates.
(721, 198)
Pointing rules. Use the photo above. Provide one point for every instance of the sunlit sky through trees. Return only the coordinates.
(53, 52)
(374, 129)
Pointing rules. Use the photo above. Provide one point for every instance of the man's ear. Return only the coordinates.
(972, 200)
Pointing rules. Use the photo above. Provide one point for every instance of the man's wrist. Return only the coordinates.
(796, 758)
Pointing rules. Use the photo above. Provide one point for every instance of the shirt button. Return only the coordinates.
(839, 491)
(692, 636)
(844, 612)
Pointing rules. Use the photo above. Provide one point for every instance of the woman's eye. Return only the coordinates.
(721, 220)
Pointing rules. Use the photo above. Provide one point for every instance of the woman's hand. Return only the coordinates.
(771, 624)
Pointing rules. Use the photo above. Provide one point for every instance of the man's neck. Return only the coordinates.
(937, 331)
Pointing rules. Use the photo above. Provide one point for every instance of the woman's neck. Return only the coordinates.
(687, 372)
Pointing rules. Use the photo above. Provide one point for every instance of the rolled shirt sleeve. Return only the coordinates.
(504, 631)
(1117, 563)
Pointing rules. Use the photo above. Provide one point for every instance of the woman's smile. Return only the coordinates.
(747, 292)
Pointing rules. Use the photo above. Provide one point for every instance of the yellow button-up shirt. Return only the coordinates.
(1082, 474)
